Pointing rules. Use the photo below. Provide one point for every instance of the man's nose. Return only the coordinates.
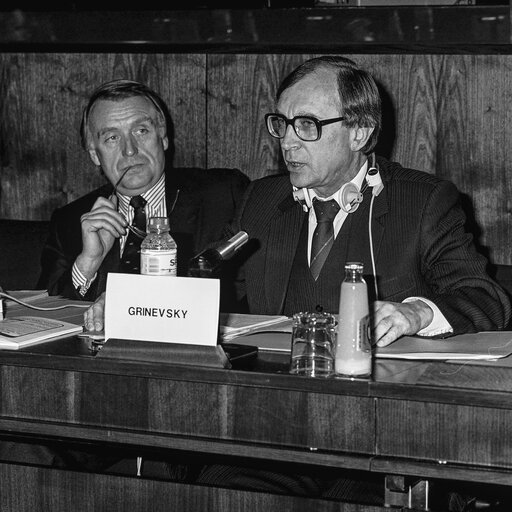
(290, 139)
(130, 146)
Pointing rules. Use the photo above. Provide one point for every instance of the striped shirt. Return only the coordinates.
(155, 207)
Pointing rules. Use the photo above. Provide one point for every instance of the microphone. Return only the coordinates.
(208, 262)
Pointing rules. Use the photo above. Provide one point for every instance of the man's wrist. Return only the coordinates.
(80, 282)
(424, 311)
(87, 266)
(438, 324)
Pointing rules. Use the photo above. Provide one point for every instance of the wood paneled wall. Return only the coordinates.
(445, 114)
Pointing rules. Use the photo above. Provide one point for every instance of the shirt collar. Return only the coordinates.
(152, 195)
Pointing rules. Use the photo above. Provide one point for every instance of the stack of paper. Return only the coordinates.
(233, 325)
(481, 346)
(477, 346)
(27, 295)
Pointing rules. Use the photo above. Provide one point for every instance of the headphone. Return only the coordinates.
(350, 195)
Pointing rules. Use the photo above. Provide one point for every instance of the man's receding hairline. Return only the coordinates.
(324, 67)
(120, 100)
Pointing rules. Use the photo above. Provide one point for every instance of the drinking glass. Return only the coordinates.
(313, 343)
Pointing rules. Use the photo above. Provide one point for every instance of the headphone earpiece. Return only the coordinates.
(350, 197)
(301, 195)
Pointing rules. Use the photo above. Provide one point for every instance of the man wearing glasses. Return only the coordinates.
(424, 275)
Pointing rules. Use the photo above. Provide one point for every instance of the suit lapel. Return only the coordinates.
(283, 238)
(174, 196)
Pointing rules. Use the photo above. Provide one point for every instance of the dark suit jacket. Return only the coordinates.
(206, 202)
(421, 247)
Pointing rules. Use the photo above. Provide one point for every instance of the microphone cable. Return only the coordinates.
(40, 308)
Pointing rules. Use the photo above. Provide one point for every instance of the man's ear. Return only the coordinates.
(359, 136)
(162, 132)
(94, 157)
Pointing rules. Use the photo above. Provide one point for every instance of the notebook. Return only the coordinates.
(23, 331)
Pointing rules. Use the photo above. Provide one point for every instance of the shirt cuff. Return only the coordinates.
(438, 325)
(80, 282)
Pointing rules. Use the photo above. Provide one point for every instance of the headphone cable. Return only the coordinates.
(372, 256)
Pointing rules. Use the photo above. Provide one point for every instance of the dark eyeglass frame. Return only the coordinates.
(317, 122)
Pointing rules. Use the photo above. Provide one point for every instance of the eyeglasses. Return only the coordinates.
(307, 128)
(134, 229)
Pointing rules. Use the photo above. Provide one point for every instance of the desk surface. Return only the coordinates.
(421, 418)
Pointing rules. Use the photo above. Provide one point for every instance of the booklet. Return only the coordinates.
(233, 325)
(22, 331)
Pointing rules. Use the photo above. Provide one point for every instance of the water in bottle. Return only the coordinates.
(158, 251)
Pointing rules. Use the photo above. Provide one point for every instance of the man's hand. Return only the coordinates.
(100, 227)
(94, 317)
(394, 319)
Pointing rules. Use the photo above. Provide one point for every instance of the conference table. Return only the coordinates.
(414, 421)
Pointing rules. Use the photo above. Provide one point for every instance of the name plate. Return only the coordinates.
(163, 309)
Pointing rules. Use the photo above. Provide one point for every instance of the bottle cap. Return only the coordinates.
(354, 265)
(158, 224)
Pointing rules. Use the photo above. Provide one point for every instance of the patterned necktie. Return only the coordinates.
(130, 261)
(323, 236)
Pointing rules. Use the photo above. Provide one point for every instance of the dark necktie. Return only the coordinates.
(130, 261)
(323, 236)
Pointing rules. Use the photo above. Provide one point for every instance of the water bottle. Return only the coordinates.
(158, 251)
(353, 355)
(208, 262)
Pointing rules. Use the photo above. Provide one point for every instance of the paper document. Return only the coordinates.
(478, 346)
(22, 331)
(483, 346)
(235, 324)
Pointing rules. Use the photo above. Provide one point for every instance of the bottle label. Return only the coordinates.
(363, 334)
(353, 351)
(158, 263)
